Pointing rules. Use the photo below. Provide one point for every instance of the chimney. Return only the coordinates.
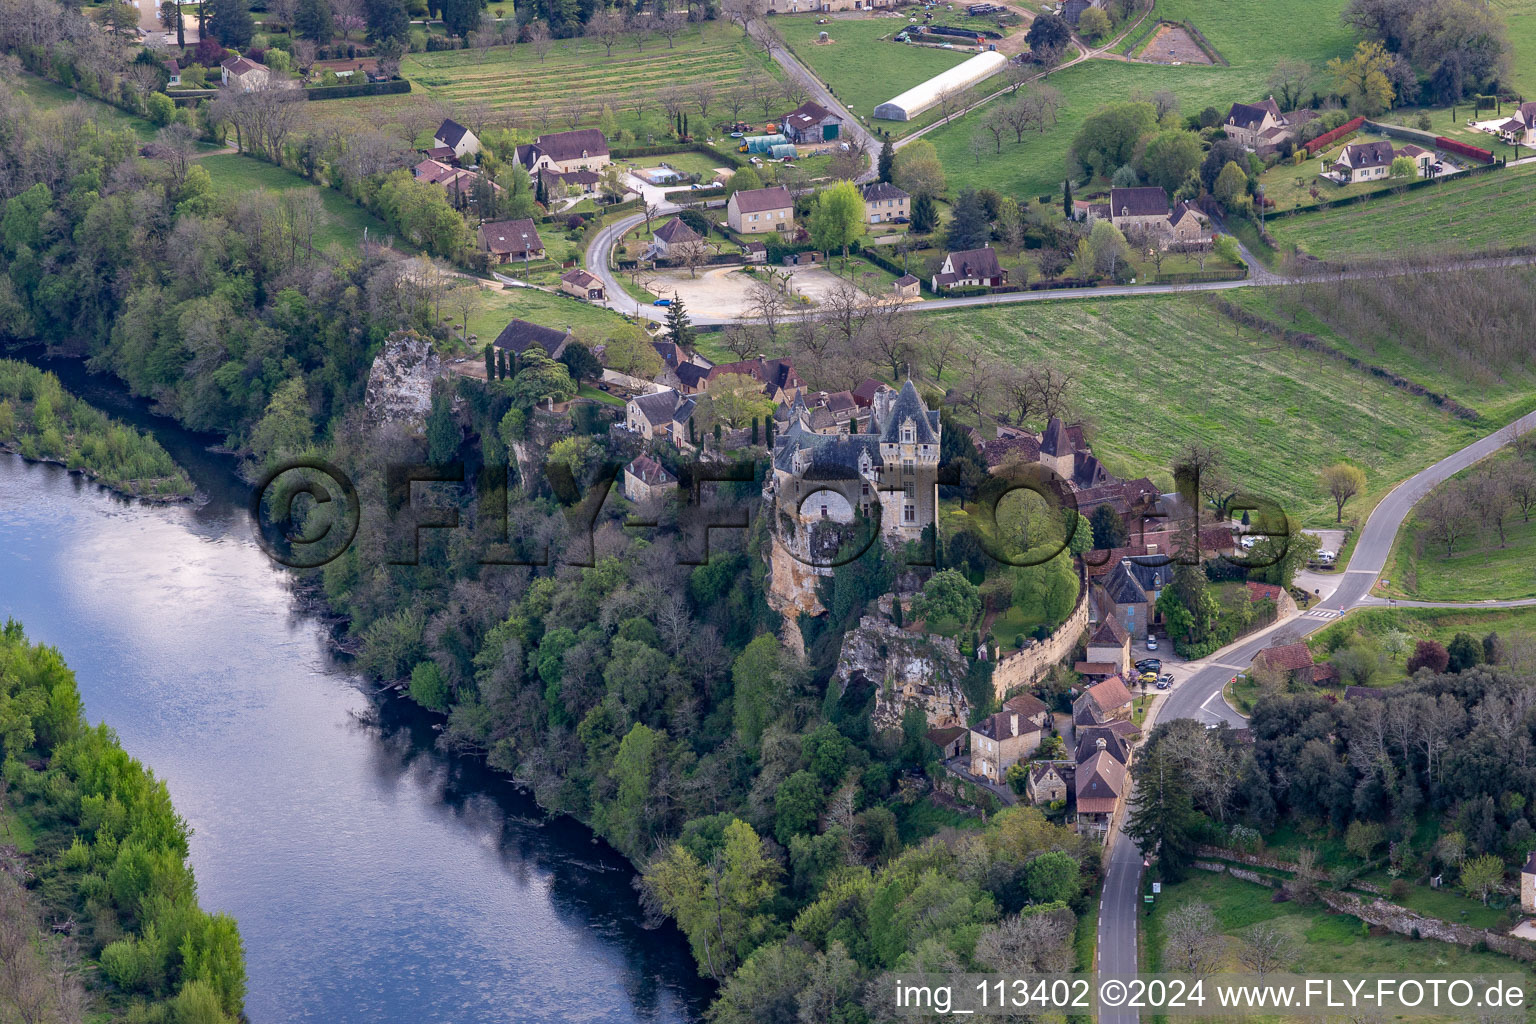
(1101, 743)
(1151, 549)
(1013, 722)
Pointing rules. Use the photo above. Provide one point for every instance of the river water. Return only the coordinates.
(376, 880)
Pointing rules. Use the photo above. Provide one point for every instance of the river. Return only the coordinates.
(376, 879)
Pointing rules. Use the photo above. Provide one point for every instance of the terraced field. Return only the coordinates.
(1455, 216)
(574, 82)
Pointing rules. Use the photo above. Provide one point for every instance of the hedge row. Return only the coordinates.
(342, 92)
(1361, 197)
(1327, 139)
(1397, 131)
(1462, 149)
(1198, 276)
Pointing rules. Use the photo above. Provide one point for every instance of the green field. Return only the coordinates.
(511, 83)
(1478, 568)
(496, 308)
(1157, 373)
(861, 65)
(1520, 22)
(1370, 625)
(1325, 943)
(1455, 216)
(1252, 34)
(235, 175)
(51, 96)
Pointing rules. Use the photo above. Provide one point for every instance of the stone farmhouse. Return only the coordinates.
(1261, 127)
(661, 416)
(645, 479)
(245, 74)
(1001, 741)
(669, 240)
(582, 285)
(1049, 781)
(582, 150)
(520, 335)
(1144, 212)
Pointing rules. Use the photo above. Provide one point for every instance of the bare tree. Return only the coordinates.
(979, 380)
(741, 339)
(743, 12)
(304, 53)
(539, 39)
(937, 351)
(607, 27)
(1043, 103)
(949, 102)
(703, 96)
(673, 98)
(1265, 949)
(1051, 388)
(671, 24)
(640, 25)
(175, 144)
(543, 111)
(735, 98)
(793, 90)
(1192, 941)
(575, 109)
(693, 254)
(1017, 73)
(996, 123)
(1490, 496)
(1164, 102)
(765, 91)
(767, 303)
(1446, 515)
(1520, 479)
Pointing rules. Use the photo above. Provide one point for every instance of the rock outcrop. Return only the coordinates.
(400, 381)
(907, 670)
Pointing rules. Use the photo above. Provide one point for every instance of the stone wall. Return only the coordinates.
(1029, 666)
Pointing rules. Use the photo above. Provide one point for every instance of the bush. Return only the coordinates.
(1399, 890)
(428, 688)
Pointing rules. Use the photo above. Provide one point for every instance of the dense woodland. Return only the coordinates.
(110, 858)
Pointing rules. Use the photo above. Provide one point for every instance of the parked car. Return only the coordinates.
(602, 387)
(662, 302)
(1151, 642)
(1248, 542)
(1147, 678)
(1165, 680)
(1149, 665)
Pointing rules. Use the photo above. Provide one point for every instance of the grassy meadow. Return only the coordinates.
(1159, 372)
(861, 64)
(234, 175)
(1459, 215)
(514, 86)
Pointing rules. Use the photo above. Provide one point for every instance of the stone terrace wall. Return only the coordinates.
(1026, 667)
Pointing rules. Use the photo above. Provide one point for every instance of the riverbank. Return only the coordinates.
(96, 834)
(42, 422)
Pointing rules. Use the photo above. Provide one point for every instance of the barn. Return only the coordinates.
(957, 79)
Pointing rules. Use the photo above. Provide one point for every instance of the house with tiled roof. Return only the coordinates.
(1100, 786)
(1102, 702)
(569, 183)
(1109, 644)
(1360, 161)
(781, 383)
(456, 138)
(1000, 741)
(761, 210)
(508, 240)
(245, 74)
(646, 479)
(669, 240)
(950, 739)
(970, 268)
(1048, 781)
(1294, 660)
(582, 284)
(865, 393)
(884, 203)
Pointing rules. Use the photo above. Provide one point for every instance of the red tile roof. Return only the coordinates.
(1288, 657)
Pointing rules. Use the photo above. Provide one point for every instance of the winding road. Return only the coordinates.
(1200, 696)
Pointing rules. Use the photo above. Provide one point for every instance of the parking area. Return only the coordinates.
(723, 291)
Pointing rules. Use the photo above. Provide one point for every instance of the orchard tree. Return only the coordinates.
(1343, 482)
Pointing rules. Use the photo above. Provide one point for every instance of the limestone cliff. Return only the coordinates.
(400, 381)
(907, 669)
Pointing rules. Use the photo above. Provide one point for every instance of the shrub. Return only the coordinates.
(428, 688)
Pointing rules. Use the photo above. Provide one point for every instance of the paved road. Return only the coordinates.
(1199, 696)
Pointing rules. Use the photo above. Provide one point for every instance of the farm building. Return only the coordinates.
(957, 79)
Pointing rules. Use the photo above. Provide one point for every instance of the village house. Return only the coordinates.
(174, 71)
(569, 183)
(460, 184)
(1047, 782)
(1520, 129)
(661, 416)
(907, 286)
(670, 240)
(582, 285)
(1114, 737)
(1144, 209)
(584, 149)
(781, 383)
(810, 124)
(646, 479)
(1120, 596)
(245, 74)
(508, 240)
(1188, 227)
(884, 203)
(1361, 161)
(1103, 702)
(1528, 884)
(1246, 122)
(970, 268)
(520, 335)
(455, 138)
(950, 739)
(1001, 741)
(1294, 662)
(760, 210)
(755, 252)
(1109, 650)
(1100, 785)
(826, 6)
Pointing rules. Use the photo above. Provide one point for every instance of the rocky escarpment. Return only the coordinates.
(400, 381)
(907, 670)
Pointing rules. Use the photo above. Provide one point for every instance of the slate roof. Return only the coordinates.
(974, 263)
(1027, 704)
(760, 200)
(451, 132)
(1250, 115)
(1366, 154)
(675, 232)
(519, 335)
(1122, 587)
(1530, 864)
(563, 146)
(1054, 440)
(1115, 743)
(238, 66)
(908, 405)
(1005, 725)
(691, 375)
(1146, 201)
(880, 191)
(658, 406)
(906, 280)
(832, 456)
